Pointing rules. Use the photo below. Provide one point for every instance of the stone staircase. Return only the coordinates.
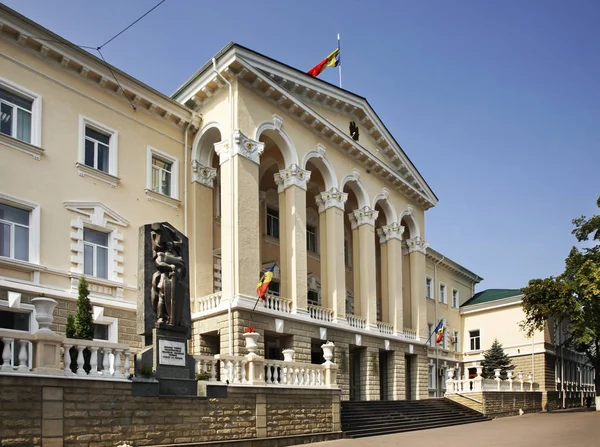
(373, 418)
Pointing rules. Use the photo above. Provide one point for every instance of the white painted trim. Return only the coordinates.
(329, 175)
(36, 109)
(289, 153)
(113, 326)
(113, 147)
(497, 304)
(34, 151)
(150, 152)
(432, 288)
(360, 192)
(34, 224)
(440, 285)
(204, 159)
(457, 298)
(388, 208)
(413, 225)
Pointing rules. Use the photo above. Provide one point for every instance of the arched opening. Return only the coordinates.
(380, 265)
(406, 275)
(351, 255)
(315, 240)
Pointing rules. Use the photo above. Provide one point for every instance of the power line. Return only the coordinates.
(115, 78)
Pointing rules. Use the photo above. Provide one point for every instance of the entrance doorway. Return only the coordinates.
(383, 375)
(408, 377)
(354, 357)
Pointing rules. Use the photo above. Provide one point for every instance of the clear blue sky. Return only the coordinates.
(496, 103)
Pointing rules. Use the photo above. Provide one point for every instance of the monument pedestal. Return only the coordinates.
(173, 367)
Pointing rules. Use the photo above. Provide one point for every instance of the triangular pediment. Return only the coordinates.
(97, 213)
(322, 107)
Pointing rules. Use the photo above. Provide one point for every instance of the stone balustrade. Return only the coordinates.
(207, 303)
(17, 350)
(296, 374)
(103, 359)
(385, 328)
(275, 302)
(320, 313)
(355, 321)
(479, 384)
(208, 364)
(410, 334)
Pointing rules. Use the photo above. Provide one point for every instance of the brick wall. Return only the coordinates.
(90, 413)
(501, 403)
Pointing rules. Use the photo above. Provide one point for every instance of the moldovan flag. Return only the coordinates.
(440, 332)
(263, 284)
(333, 60)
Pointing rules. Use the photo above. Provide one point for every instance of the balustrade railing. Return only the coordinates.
(275, 302)
(284, 373)
(320, 313)
(411, 334)
(17, 350)
(87, 358)
(207, 364)
(233, 369)
(209, 302)
(385, 328)
(356, 322)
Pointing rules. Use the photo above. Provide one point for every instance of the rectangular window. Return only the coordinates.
(313, 298)
(431, 383)
(14, 232)
(311, 238)
(273, 223)
(456, 341)
(161, 176)
(443, 294)
(455, 300)
(273, 288)
(95, 253)
(100, 331)
(428, 288)
(17, 321)
(475, 340)
(97, 148)
(15, 115)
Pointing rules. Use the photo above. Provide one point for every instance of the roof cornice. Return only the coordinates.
(19, 30)
(496, 304)
(453, 266)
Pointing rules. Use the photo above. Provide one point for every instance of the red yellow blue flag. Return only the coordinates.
(263, 284)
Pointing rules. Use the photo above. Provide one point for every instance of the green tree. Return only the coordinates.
(572, 299)
(70, 329)
(84, 322)
(494, 358)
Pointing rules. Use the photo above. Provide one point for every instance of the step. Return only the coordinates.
(384, 431)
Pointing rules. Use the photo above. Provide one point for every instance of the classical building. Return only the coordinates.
(261, 166)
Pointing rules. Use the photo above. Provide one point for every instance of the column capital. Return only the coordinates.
(391, 231)
(292, 176)
(365, 215)
(416, 244)
(242, 145)
(332, 198)
(203, 174)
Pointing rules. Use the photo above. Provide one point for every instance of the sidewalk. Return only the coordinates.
(558, 429)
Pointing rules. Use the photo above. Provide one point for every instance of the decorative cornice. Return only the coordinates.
(242, 145)
(203, 174)
(332, 198)
(158, 197)
(416, 244)
(34, 151)
(363, 216)
(391, 231)
(85, 170)
(292, 176)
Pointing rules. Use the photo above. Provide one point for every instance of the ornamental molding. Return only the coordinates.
(416, 244)
(292, 176)
(204, 175)
(332, 198)
(242, 145)
(389, 232)
(363, 216)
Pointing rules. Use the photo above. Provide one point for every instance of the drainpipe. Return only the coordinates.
(232, 265)
(436, 323)
(185, 174)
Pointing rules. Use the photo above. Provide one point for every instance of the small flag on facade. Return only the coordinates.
(263, 284)
(333, 60)
(439, 330)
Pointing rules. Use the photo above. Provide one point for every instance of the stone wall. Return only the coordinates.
(92, 413)
(501, 403)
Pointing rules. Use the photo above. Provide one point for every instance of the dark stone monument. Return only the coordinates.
(163, 316)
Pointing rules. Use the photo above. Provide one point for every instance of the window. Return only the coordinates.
(161, 176)
(16, 113)
(95, 253)
(456, 341)
(101, 332)
(96, 149)
(443, 293)
(162, 173)
(273, 222)
(17, 321)
(273, 288)
(431, 382)
(431, 336)
(475, 340)
(311, 238)
(14, 232)
(313, 298)
(455, 300)
(428, 288)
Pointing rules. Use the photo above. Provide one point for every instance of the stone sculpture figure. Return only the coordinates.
(168, 282)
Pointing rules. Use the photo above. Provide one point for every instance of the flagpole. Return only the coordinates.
(340, 56)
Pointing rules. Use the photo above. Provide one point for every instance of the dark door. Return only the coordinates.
(354, 360)
(383, 375)
(407, 375)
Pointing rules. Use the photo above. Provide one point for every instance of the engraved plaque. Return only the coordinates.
(171, 353)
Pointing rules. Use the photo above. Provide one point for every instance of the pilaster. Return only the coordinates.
(201, 224)
(417, 248)
(331, 210)
(291, 184)
(363, 221)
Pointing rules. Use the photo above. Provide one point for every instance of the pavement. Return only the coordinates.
(572, 429)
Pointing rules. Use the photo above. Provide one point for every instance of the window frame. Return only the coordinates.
(443, 296)
(113, 148)
(34, 226)
(456, 341)
(429, 290)
(476, 338)
(455, 298)
(315, 233)
(36, 110)
(112, 323)
(163, 156)
(276, 209)
(94, 255)
(33, 328)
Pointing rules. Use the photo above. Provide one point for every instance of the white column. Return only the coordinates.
(417, 248)
(390, 237)
(292, 183)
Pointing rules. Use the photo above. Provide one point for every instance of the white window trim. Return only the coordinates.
(33, 325)
(173, 199)
(36, 113)
(34, 226)
(112, 323)
(457, 298)
(456, 341)
(110, 177)
(276, 208)
(445, 295)
(432, 297)
(470, 338)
